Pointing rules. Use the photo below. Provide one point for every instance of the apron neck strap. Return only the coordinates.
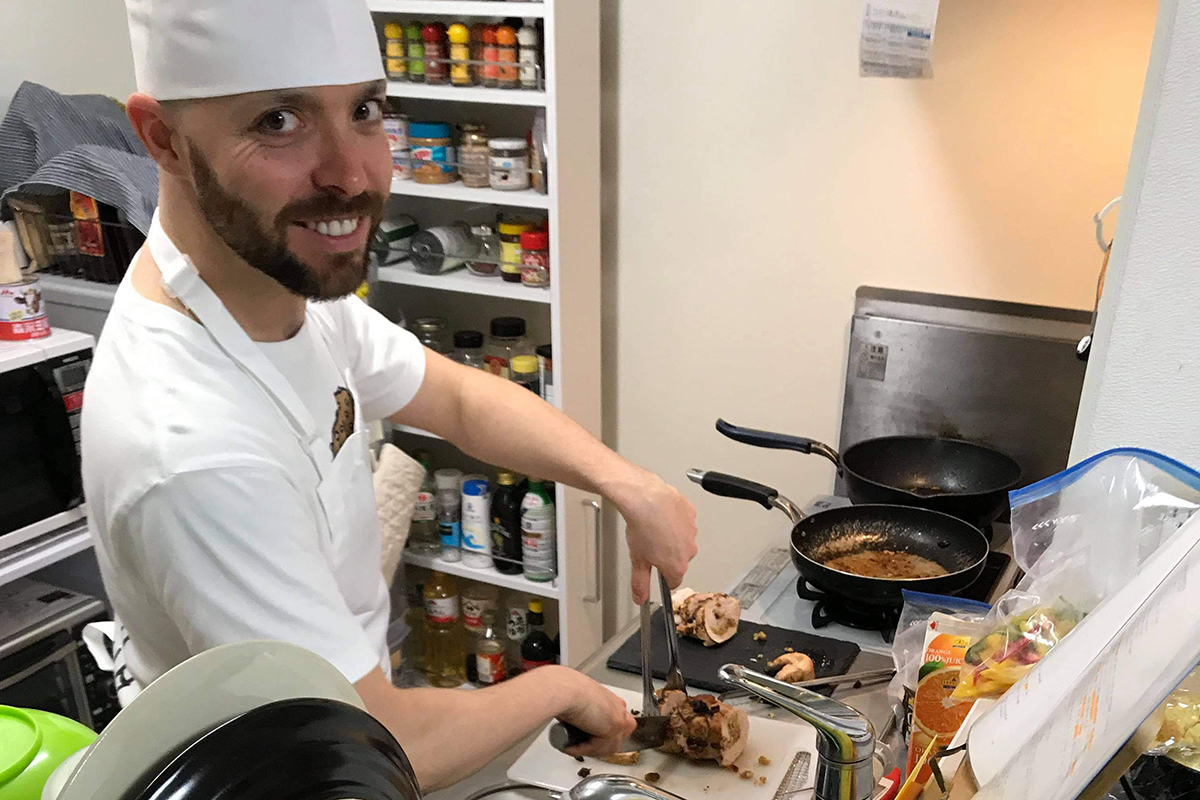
(181, 279)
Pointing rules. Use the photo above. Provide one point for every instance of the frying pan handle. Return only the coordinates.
(725, 485)
(777, 441)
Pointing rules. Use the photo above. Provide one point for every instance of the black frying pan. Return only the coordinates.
(960, 548)
(963, 479)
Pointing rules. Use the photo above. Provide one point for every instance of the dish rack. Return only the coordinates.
(58, 243)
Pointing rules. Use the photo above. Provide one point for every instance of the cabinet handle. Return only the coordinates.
(594, 596)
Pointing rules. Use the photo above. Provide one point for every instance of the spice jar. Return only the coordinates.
(432, 152)
(477, 52)
(506, 53)
(507, 341)
(535, 258)
(460, 53)
(509, 159)
(434, 36)
(527, 56)
(510, 248)
(468, 349)
(491, 55)
(488, 253)
(525, 372)
(443, 248)
(395, 63)
(473, 153)
(432, 332)
(416, 52)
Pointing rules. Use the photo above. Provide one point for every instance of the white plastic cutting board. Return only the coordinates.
(777, 739)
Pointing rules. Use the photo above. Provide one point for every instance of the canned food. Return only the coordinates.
(22, 313)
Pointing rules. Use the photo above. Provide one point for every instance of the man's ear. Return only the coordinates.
(156, 125)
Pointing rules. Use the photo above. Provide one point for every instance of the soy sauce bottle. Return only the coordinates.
(506, 523)
(537, 650)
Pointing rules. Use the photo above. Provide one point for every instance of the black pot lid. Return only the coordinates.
(301, 749)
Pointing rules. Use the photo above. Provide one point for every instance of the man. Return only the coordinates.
(227, 500)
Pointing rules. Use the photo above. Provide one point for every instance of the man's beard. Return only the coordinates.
(236, 222)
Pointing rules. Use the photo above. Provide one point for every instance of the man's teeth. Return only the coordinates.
(337, 227)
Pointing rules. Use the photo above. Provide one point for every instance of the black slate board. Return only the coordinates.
(700, 663)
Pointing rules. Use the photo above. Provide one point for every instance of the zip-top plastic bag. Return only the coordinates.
(1079, 535)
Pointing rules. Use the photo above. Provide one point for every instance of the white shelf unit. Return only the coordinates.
(551, 589)
(526, 198)
(572, 204)
(459, 8)
(466, 94)
(464, 282)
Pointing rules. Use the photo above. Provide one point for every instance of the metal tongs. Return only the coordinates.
(652, 728)
(845, 741)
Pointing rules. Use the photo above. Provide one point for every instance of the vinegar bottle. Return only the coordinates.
(444, 660)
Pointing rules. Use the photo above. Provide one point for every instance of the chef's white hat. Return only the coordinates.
(212, 48)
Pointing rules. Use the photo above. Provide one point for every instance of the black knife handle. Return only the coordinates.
(564, 735)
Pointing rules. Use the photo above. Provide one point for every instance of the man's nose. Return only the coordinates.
(342, 164)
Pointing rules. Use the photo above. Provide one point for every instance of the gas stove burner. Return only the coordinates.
(833, 608)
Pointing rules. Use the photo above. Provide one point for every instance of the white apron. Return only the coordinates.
(345, 490)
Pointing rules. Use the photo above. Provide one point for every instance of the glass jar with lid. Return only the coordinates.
(473, 153)
(507, 341)
(468, 349)
(487, 253)
(433, 333)
(509, 159)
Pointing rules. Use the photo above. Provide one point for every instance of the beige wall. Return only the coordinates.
(72, 46)
(753, 181)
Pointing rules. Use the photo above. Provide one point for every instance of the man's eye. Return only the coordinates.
(369, 111)
(279, 121)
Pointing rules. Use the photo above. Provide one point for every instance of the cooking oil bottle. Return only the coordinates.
(444, 658)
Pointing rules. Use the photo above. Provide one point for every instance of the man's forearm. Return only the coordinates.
(502, 423)
(449, 734)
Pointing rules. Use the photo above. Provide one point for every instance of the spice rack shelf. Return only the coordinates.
(463, 282)
(466, 94)
(465, 8)
(551, 589)
(527, 198)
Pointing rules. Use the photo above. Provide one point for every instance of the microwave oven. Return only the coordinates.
(44, 663)
(41, 399)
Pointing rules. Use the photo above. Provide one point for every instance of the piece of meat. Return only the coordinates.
(703, 728)
(792, 668)
(623, 759)
(710, 617)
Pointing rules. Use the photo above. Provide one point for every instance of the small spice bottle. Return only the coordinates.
(509, 160)
(395, 63)
(477, 52)
(527, 56)
(535, 258)
(506, 53)
(432, 151)
(434, 36)
(525, 372)
(473, 154)
(488, 265)
(460, 53)
(491, 55)
(416, 51)
(510, 248)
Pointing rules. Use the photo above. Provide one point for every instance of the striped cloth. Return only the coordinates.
(50, 142)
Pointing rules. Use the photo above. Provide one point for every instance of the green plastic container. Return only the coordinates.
(32, 745)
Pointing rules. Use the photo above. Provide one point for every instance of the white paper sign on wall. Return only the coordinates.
(897, 39)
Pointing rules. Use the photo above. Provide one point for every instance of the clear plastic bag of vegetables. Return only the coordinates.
(1179, 737)
(1022, 629)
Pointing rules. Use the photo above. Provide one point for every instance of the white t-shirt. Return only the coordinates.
(203, 502)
